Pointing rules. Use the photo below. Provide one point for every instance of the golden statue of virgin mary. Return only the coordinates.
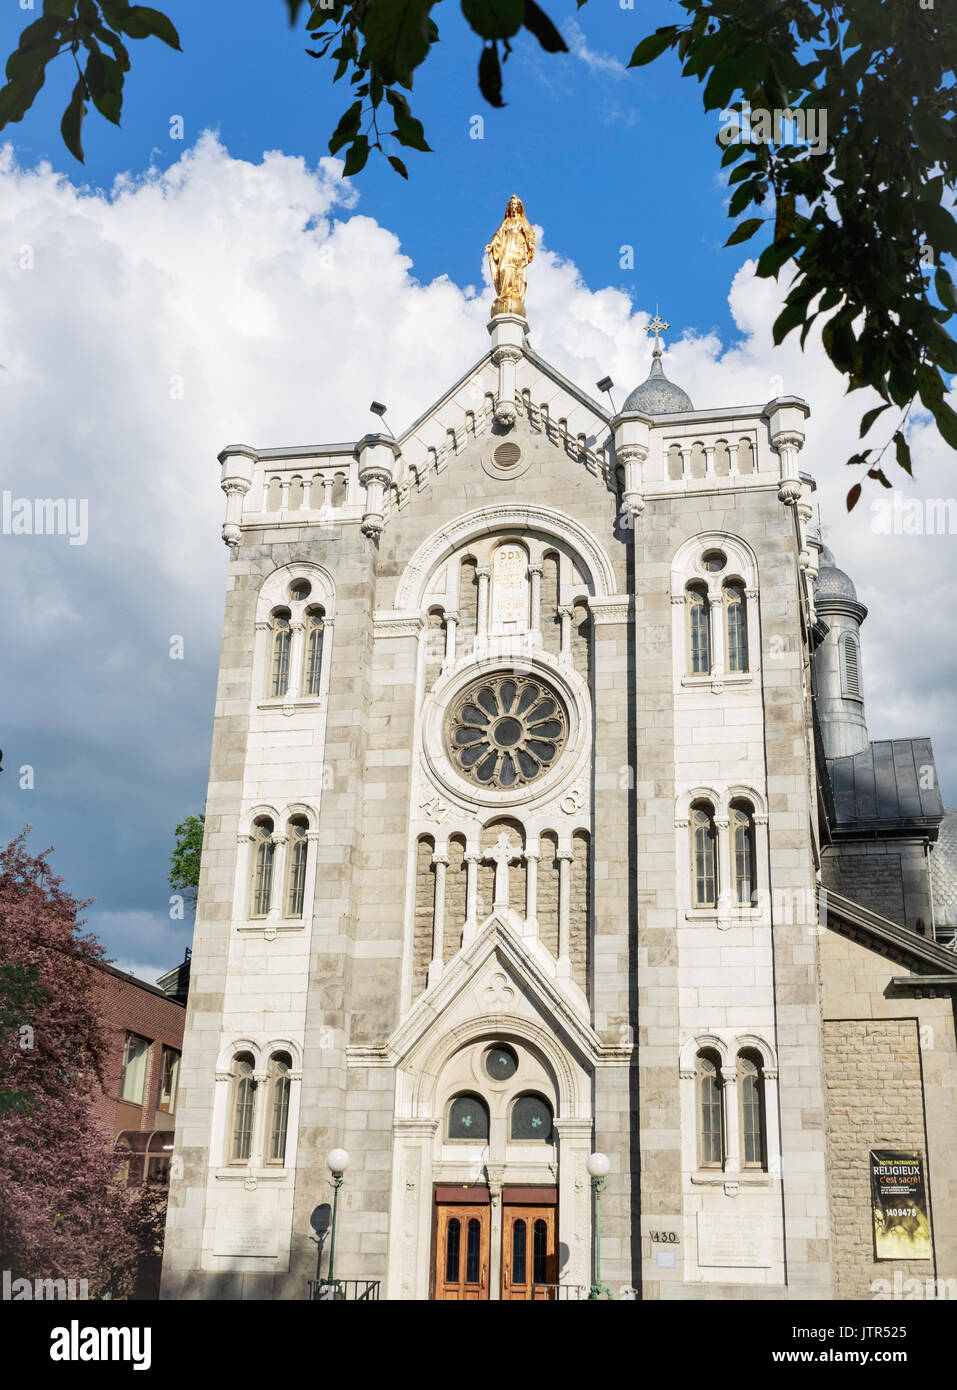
(510, 252)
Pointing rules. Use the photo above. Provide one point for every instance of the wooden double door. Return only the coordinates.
(463, 1254)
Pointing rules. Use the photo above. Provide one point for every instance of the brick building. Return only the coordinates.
(141, 1083)
(543, 818)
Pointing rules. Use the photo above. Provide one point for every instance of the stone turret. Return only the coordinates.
(837, 661)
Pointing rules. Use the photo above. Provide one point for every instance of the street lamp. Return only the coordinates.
(598, 1167)
(338, 1161)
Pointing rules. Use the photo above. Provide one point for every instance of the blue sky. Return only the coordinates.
(206, 264)
(602, 156)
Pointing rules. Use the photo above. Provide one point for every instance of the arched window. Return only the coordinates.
(699, 635)
(468, 1119)
(312, 651)
(296, 866)
(531, 1118)
(850, 667)
(280, 1086)
(737, 625)
(742, 833)
(710, 1116)
(703, 856)
(751, 1087)
(279, 655)
(263, 851)
(243, 1108)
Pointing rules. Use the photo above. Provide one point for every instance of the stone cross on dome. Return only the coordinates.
(657, 326)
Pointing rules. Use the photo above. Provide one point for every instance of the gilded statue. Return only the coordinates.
(510, 252)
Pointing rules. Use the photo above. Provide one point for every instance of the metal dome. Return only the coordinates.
(832, 582)
(657, 395)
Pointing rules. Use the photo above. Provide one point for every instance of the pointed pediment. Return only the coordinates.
(496, 979)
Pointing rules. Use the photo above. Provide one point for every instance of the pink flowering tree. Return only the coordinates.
(65, 1211)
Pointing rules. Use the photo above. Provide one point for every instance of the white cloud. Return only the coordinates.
(595, 62)
(221, 302)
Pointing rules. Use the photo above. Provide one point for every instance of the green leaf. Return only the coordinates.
(539, 24)
(398, 166)
(903, 452)
(409, 131)
(397, 38)
(141, 22)
(744, 230)
(357, 156)
(72, 121)
(939, 225)
(654, 45)
(494, 19)
(870, 416)
(490, 76)
(347, 127)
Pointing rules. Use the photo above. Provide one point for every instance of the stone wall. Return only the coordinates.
(874, 1101)
(890, 1059)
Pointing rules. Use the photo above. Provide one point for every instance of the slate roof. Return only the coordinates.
(892, 783)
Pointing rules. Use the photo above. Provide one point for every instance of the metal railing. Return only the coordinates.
(344, 1290)
(549, 1293)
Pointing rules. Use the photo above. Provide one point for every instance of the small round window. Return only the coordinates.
(531, 1119)
(300, 590)
(714, 561)
(501, 1063)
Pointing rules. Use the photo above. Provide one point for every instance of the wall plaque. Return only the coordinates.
(510, 587)
(743, 1242)
(247, 1229)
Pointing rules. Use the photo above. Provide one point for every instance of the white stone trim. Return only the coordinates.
(502, 517)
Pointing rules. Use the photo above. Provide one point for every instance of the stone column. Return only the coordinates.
(565, 612)
(295, 658)
(236, 479)
(441, 861)
(531, 891)
(732, 1136)
(564, 913)
(284, 485)
(726, 898)
(451, 624)
(471, 889)
(574, 1200)
(483, 574)
(709, 460)
(328, 483)
(535, 577)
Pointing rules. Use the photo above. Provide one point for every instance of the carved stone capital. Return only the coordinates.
(506, 353)
(790, 491)
(787, 440)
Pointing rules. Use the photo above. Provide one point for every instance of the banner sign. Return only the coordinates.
(899, 1199)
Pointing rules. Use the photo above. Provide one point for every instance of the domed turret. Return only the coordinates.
(657, 395)
(837, 661)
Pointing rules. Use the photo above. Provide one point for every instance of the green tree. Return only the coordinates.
(185, 859)
(861, 223)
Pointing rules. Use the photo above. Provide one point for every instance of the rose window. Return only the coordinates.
(505, 731)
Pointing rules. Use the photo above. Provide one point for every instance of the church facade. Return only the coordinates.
(543, 820)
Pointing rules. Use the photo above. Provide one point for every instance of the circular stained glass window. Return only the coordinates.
(506, 731)
(501, 1063)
